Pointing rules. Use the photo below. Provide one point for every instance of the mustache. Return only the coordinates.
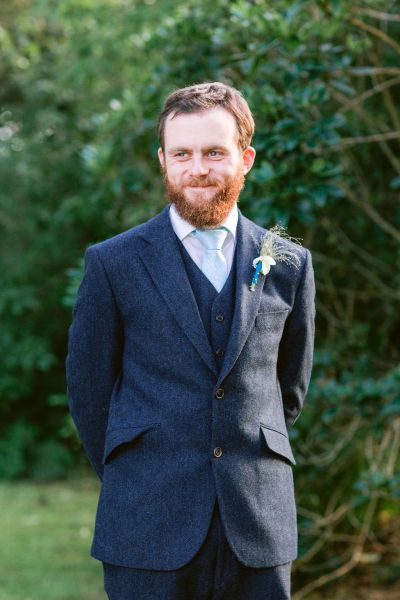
(195, 182)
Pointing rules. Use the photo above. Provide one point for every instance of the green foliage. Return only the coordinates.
(51, 460)
(14, 447)
(82, 86)
(46, 532)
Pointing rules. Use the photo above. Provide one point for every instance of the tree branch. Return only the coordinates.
(377, 14)
(372, 213)
(351, 563)
(369, 93)
(365, 139)
(376, 32)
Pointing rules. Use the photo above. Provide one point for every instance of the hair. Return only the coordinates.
(204, 96)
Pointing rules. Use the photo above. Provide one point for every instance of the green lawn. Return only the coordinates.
(46, 531)
(45, 536)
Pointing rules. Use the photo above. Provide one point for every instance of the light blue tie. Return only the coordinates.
(214, 265)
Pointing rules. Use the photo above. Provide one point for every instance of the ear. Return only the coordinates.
(248, 159)
(161, 157)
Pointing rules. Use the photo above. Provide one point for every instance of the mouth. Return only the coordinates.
(199, 187)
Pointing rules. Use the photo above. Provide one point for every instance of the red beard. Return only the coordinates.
(206, 212)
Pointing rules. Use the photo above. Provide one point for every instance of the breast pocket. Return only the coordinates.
(273, 320)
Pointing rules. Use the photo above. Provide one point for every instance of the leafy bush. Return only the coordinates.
(82, 88)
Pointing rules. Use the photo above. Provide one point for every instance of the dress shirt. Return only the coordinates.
(194, 247)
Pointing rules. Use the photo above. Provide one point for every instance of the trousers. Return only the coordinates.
(213, 574)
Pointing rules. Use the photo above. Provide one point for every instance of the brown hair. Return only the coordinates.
(203, 96)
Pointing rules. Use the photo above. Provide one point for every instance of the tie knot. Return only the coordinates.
(212, 239)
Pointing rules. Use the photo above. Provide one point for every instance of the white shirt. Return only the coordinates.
(195, 248)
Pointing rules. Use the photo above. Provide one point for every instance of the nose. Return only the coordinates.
(198, 166)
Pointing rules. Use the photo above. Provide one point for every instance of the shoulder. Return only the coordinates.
(130, 240)
(287, 245)
(117, 242)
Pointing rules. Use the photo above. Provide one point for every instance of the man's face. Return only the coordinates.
(203, 165)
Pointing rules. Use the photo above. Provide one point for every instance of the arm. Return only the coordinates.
(296, 346)
(94, 357)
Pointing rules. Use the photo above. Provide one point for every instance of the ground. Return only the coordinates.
(46, 531)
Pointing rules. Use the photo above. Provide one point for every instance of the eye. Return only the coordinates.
(214, 153)
(181, 154)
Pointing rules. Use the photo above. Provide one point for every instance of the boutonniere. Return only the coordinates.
(273, 251)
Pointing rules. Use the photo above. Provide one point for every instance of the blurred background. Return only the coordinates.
(81, 86)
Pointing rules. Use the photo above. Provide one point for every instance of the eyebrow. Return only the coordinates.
(207, 149)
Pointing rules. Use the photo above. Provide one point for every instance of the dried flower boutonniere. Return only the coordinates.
(272, 251)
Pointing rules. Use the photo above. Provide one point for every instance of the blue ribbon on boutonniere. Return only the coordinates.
(272, 251)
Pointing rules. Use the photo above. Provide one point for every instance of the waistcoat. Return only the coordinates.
(216, 309)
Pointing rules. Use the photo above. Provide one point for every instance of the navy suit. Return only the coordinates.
(167, 428)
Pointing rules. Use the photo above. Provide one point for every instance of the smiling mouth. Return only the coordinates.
(199, 187)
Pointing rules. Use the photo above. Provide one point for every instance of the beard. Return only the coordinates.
(205, 211)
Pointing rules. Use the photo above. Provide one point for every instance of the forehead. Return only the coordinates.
(212, 127)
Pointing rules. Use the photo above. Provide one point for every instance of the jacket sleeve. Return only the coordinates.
(297, 344)
(94, 356)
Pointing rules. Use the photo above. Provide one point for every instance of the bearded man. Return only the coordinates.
(185, 368)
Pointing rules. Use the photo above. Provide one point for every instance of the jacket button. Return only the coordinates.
(219, 394)
(217, 452)
(220, 317)
(219, 352)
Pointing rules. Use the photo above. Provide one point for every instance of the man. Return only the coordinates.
(182, 381)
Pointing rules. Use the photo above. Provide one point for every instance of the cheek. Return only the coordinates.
(227, 169)
(175, 172)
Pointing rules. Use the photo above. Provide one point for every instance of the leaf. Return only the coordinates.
(395, 183)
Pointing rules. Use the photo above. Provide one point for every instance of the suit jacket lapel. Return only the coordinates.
(246, 302)
(165, 266)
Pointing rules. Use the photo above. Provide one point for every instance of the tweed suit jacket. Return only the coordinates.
(150, 405)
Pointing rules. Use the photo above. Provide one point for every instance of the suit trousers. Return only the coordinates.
(213, 574)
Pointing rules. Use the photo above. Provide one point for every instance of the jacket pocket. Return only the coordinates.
(278, 443)
(272, 311)
(124, 435)
(271, 319)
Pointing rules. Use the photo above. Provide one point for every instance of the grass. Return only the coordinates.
(46, 532)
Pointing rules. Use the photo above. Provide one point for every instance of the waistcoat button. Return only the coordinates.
(220, 317)
(219, 352)
(217, 452)
(219, 394)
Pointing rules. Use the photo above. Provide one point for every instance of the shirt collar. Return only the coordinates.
(182, 228)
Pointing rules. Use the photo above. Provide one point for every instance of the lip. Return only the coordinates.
(199, 187)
